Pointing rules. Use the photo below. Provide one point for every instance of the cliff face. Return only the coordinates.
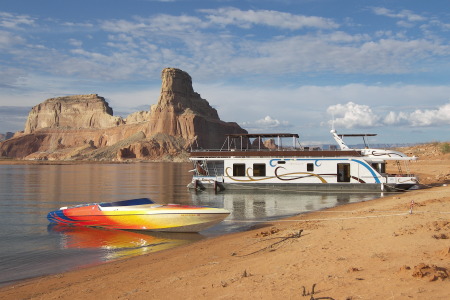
(83, 127)
(79, 111)
(182, 112)
(178, 96)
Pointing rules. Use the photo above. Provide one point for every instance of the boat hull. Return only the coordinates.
(307, 187)
(171, 218)
(336, 187)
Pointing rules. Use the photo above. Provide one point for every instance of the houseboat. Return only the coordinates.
(263, 161)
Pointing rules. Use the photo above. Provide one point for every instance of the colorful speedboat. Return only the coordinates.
(140, 214)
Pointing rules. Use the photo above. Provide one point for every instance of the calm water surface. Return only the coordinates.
(29, 247)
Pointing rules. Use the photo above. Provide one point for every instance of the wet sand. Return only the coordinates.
(369, 250)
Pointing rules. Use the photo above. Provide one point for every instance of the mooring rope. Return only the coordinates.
(340, 218)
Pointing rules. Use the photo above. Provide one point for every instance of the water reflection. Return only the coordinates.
(251, 207)
(115, 244)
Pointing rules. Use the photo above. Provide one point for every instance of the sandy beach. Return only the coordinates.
(376, 249)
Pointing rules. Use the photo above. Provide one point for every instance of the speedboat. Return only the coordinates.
(140, 214)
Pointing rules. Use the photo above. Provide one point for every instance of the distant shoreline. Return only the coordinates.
(74, 162)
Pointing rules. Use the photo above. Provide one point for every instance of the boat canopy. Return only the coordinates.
(130, 202)
(356, 134)
(244, 140)
(339, 138)
(261, 135)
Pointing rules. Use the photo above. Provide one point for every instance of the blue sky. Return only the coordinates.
(380, 66)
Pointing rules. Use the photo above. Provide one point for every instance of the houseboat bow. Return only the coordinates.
(249, 161)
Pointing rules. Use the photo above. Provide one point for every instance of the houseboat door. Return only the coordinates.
(343, 172)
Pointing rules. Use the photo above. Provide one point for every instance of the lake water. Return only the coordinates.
(29, 247)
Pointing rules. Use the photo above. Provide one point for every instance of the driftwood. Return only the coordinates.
(312, 294)
(283, 239)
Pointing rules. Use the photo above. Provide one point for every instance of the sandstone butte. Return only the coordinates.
(83, 127)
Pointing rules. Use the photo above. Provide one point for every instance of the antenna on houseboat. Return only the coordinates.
(339, 140)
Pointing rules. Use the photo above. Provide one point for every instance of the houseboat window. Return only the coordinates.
(379, 167)
(310, 167)
(238, 169)
(215, 168)
(259, 169)
(343, 172)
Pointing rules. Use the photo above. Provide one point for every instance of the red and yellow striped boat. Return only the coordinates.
(140, 214)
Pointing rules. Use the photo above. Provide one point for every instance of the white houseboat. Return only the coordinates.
(249, 161)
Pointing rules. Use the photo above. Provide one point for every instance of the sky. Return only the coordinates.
(287, 66)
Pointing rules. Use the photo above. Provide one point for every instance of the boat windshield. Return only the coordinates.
(140, 201)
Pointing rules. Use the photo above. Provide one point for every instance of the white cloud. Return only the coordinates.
(140, 46)
(10, 78)
(160, 25)
(403, 14)
(245, 19)
(444, 26)
(14, 21)
(405, 24)
(269, 122)
(353, 115)
(266, 124)
(9, 40)
(75, 42)
(340, 54)
(123, 26)
(305, 106)
(394, 118)
(84, 26)
(421, 118)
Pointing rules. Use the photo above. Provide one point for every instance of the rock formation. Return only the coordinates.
(182, 112)
(83, 127)
(177, 95)
(74, 112)
(137, 117)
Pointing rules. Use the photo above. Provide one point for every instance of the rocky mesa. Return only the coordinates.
(74, 112)
(83, 127)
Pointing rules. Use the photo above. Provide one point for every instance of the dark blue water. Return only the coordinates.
(29, 247)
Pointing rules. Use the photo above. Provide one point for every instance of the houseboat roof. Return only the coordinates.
(356, 134)
(273, 153)
(261, 135)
